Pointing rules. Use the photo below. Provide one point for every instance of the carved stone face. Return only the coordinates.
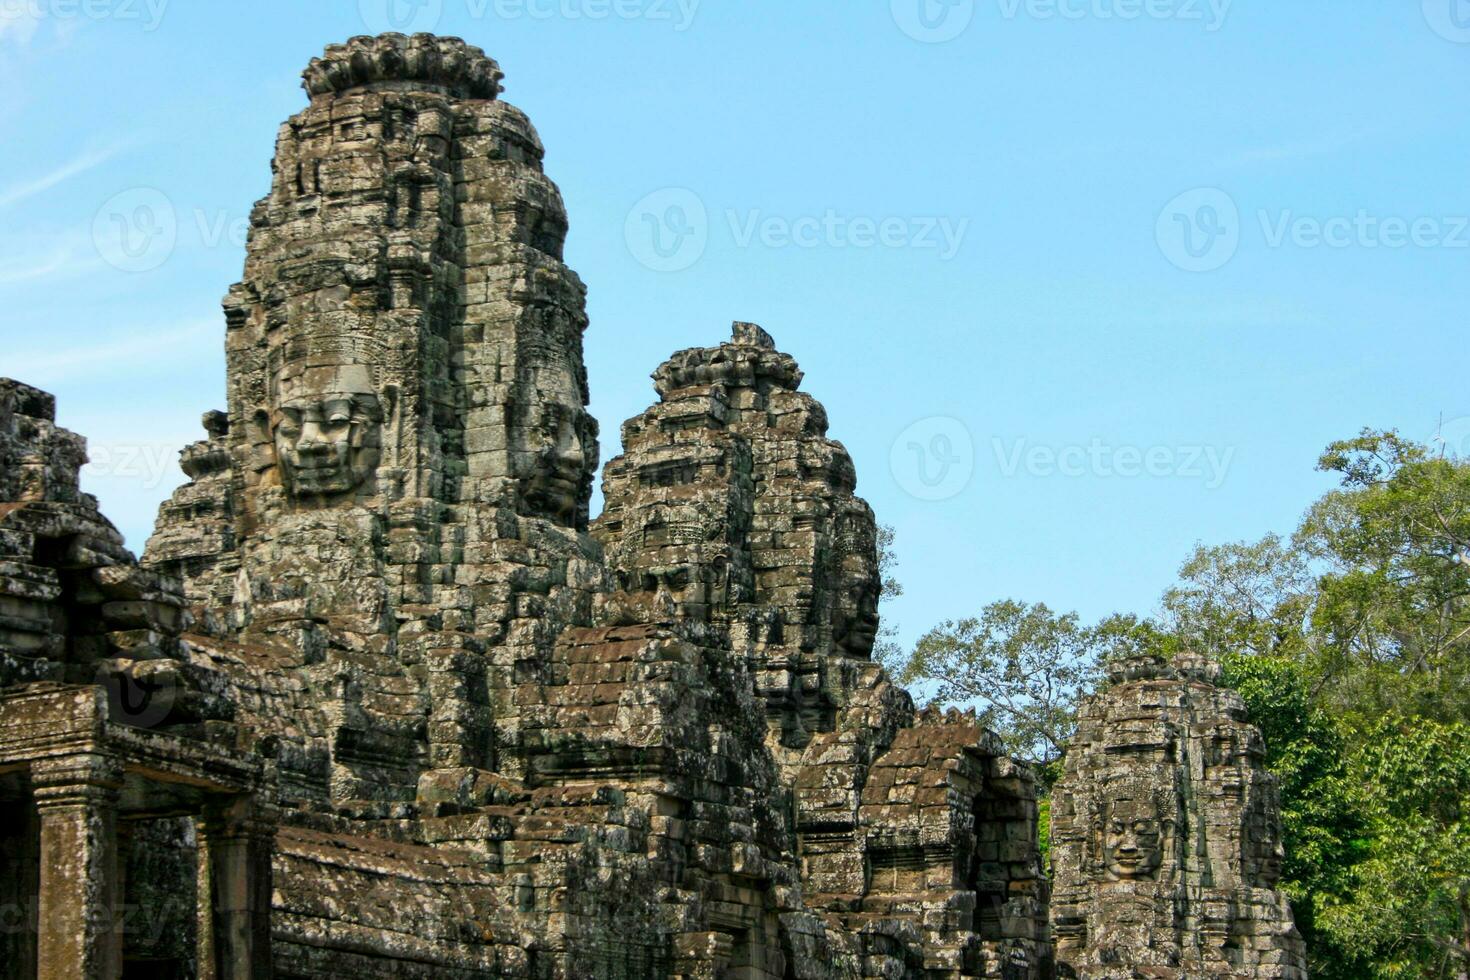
(855, 616)
(1264, 852)
(1132, 839)
(553, 440)
(326, 428)
(553, 462)
(857, 589)
(677, 568)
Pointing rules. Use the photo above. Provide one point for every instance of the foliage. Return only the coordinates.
(1409, 911)
(1393, 611)
(1023, 666)
(1321, 823)
(1242, 598)
(886, 651)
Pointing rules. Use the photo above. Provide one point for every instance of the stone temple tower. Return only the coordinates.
(1166, 835)
(406, 437)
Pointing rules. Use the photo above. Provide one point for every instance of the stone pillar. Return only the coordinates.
(235, 843)
(76, 798)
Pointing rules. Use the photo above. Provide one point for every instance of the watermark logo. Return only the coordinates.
(933, 459)
(401, 16)
(1450, 19)
(136, 230)
(832, 229)
(933, 21)
(413, 16)
(1363, 230)
(146, 13)
(1206, 464)
(1199, 231)
(668, 230)
(1210, 13)
(139, 229)
(140, 702)
(147, 923)
(679, 13)
(147, 465)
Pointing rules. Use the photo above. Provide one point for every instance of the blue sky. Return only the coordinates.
(1081, 282)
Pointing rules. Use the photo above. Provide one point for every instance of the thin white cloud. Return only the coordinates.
(49, 366)
(45, 270)
(81, 164)
(38, 258)
(1292, 151)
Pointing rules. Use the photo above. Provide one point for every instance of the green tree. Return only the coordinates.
(1023, 666)
(1393, 610)
(1409, 911)
(1243, 598)
(886, 651)
(1322, 826)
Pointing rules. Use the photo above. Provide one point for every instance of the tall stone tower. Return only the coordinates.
(732, 505)
(1166, 835)
(402, 477)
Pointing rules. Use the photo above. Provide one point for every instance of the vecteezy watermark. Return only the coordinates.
(147, 465)
(1450, 19)
(1201, 230)
(1364, 230)
(401, 16)
(146, 13)
(140, 701)
(668, 230)
(1210, 14)
(138, 229)
(933, 21)
(411, 16)
(833, 229)
(1208, 464)
(146, 922)
(933, 459)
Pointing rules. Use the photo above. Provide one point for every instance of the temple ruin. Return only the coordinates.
(381, 700)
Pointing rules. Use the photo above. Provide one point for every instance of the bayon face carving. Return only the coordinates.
(327, 428)
(1264, 853)
(1133, 838)
(554, 462)
(855, 602)
(554, 440)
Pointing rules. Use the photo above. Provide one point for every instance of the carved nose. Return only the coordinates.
(311, 437)
(569, 451)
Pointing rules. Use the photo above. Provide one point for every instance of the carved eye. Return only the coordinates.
(339, 417)
(1142, 827)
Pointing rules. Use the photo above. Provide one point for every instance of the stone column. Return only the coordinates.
(236, 839)
(76, 798)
